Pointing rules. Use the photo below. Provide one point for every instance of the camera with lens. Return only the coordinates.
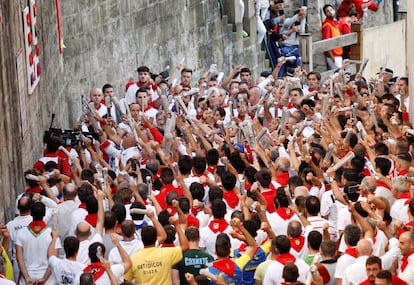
(67, 137)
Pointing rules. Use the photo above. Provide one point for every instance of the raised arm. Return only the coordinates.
(181, 236)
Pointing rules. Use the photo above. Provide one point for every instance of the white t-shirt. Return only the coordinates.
(273, 275)
(83, 256)
(130, 246)
(65, 271)
(355, 273)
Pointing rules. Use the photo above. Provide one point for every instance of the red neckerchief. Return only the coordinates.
(82, 205)
(352, 252)
(34, 190)
(192, 222)
(242, 247)
(231, 198)
(212, 169)
(118, 229)
(402, 172)
(225, 265)
(310, 89)
(282, 178)
(95, 269)
(37, 227)
(400, 231)
(92, 219)
(404, 261)
(168, 245)
(366, 282)
(284, 213)
(297, 243)
(405, 195)
(200, 175)
(171, 210)
(287, 283)
(147, 85)
(218, 225)
(290, 106)
(269, 196)
(380, 183)
(284, 258)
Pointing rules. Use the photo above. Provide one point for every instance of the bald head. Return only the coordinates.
(283, 164)
(83, 230)
(95, 95)
(69, 191)
(364, 247)
(294, 228)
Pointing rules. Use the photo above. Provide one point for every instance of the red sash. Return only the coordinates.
(231, 198)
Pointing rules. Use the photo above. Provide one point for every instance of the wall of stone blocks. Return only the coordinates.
(105, 42)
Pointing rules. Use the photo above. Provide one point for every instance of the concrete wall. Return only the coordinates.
(376, 48)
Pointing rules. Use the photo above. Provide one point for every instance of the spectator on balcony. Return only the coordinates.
(330, 30)
(360, 5)
(345, 28)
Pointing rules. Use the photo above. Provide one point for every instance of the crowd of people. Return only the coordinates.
(223, 180)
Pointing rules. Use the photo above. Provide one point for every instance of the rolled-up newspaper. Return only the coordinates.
(329, 152)
(361, 129)
(325, 99)
(350, 155)
(138, 211)
(208, 274)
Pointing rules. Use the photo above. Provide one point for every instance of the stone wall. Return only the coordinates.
(105, 42)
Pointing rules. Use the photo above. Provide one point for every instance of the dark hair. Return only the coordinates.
(87, 174)
(250, 174)
(294, 228)
(290, 272)
(128, 228)
(373, 259)
(223, 245)
(184, 204)
(385, 274)
(185, 163)
(143, 68)
(317, 74)
(282, 244)
(295, 181)
(218, 208)
(106, 86)
(381, 148)
(215, 193)
(384, 164)
(199, 164)
(120, 212)
(93, 249)
(186, 70)
(71, 246)
(197, 191)
(325, 7)
(109, 220)
(264, 176)
(91, 204)
(228, 180)
(164, 217)
(352, 234)
(170, 231)
(38, 211)
(24, 205)
(328, 248)
(137, 205)
(212, 156)
(86, 279)
(314, 240)
(313, 205)
(148, 235)
(192, 234)
(167, 175)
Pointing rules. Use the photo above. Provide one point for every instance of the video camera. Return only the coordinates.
(67, 137)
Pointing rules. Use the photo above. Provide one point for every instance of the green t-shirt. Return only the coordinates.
(193, 260)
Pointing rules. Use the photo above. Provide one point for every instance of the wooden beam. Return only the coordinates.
(341, 41)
